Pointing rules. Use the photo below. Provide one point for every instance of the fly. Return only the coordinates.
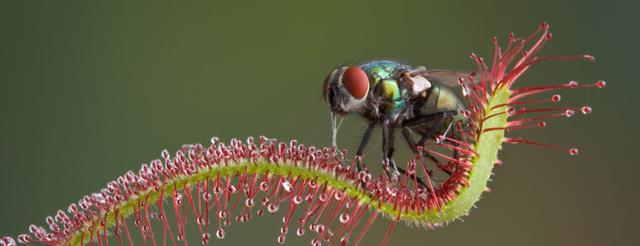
(416, 100)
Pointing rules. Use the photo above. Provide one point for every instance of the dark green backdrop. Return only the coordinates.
(90, 90)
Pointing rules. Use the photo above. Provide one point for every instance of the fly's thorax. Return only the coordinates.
(385, 87)
(380, 70)
(391, 98)
(389, 90)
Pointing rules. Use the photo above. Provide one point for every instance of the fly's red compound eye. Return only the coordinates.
(356, 82)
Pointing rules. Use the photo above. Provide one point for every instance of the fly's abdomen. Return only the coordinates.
(438, 99)
(448, 100)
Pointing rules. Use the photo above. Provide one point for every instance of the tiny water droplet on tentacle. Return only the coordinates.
(573, 151)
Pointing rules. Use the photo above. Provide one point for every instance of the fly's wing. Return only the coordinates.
(448, 77)
(420, 79)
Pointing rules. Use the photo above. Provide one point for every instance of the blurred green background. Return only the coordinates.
(91, 89)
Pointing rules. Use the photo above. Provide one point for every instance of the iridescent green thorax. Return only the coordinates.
(382, 69)
(383, 83)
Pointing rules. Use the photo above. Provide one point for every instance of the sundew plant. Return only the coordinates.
(318, 191)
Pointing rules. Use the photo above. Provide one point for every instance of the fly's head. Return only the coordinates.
(345, 89)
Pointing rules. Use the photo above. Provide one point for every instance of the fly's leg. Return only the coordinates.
(388, 147)
(363, 143)
(423, 119)
(406, 133)
(437, 117)
(457, 136)
(428, 118)
(421, 142)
